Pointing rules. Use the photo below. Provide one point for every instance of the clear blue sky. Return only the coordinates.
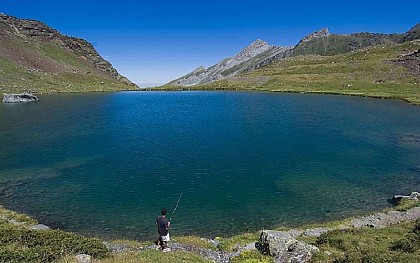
(152, 42)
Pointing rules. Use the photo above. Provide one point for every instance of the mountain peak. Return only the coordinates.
(317, 34)
(415, 28)
(255, 48)
(257, 44)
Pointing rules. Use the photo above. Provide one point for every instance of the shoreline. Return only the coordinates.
(407, 210)
(363, 95)
(239, 89)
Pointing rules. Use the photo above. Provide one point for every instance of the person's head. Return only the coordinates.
(164, 211)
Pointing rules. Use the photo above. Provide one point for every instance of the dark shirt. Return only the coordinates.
(162, 225)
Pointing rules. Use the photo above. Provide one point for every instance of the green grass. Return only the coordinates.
(406, 204)
(19, 244)
(66, 71)
(252, 257)
(194, 241)
(18, 217)
(152, 256)
(398, 243)
(230, 244)
(131, 243)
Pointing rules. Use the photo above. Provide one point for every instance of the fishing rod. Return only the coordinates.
(176, 206)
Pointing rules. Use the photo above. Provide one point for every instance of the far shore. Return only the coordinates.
(192, 88)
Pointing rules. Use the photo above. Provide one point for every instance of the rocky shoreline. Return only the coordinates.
(16, 98)
(282, 246)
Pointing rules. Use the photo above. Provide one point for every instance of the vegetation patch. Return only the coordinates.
(194, 241)
(252, 256)
(398, 243)
(232, 243)
(152, 256)
(19, 244)
(6, 214)
(406, 204)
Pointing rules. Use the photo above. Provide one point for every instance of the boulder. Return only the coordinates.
(83, 258)
(284, 247)
(23, 97)
(297, 252)
(40, 227)
(396, 199)
(316, 232)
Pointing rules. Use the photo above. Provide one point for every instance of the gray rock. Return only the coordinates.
(39, 227)
(396, 199)
(274, 242)
(284, 247)
(414, 196)
(23, 97)
(83, 258)
(297, 252)
(315, 232)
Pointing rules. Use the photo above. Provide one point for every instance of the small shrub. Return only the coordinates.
(417, 228)
(406, 204)
(405, 245)
(331, 238)
(19, 244)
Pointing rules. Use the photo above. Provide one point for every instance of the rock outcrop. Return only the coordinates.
(26, 30)
(317, 34)
(284, 247)
(15, 98)
(396, 199)
(412, 34)
(409, 60)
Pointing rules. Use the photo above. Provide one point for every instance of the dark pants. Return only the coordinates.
(161, 243)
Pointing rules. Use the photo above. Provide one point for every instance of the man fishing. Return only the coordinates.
(163, 230)
(163, 227)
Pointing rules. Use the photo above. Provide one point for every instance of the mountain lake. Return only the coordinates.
(104, 164)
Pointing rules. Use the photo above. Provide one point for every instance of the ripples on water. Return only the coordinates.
(105, 164)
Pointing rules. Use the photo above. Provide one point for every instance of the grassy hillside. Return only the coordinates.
(37, 58)
(366, 72)
(340, 44)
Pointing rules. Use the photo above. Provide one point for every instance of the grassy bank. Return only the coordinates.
(396, 243)
(367, 72)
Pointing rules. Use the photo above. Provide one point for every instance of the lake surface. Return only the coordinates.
(105, 164)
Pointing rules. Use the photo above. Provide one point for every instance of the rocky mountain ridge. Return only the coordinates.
(249, 58)
(260, 53)
(24, 42)
(317, 34)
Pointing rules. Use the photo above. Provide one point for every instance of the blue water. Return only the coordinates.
(105, 164)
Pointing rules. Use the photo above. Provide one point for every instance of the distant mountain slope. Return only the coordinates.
(412, 34)
(260, 54)
(333, 44)
(247, 59)
(36, 57)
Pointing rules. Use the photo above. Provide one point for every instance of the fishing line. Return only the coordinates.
(176, 206)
